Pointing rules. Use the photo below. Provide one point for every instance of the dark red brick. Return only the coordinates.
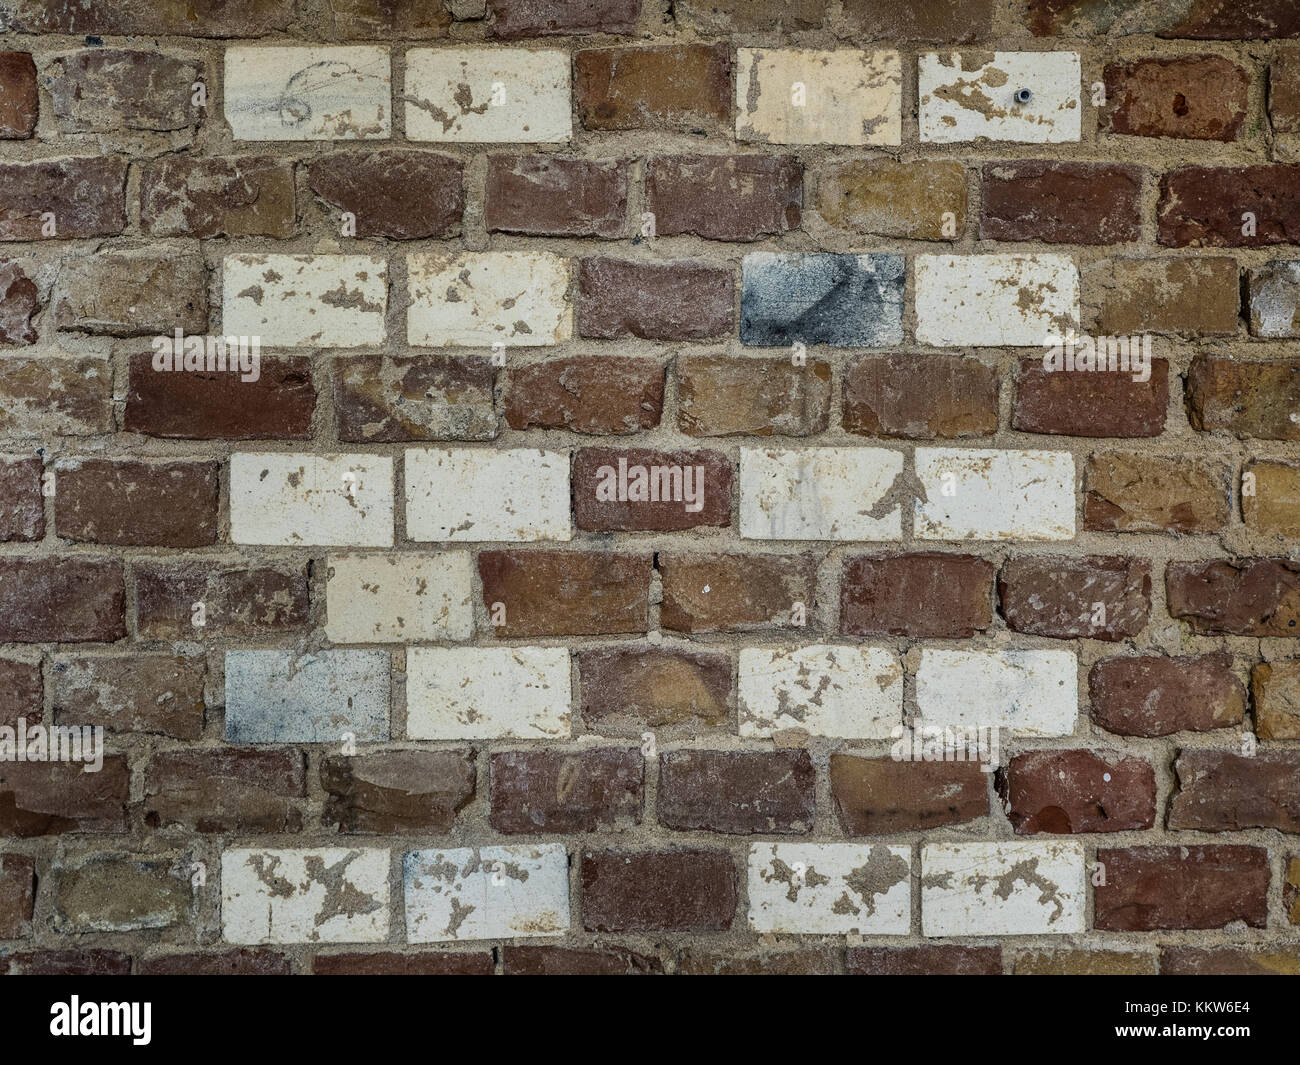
(512, 19)
(653, 301)
(1061, 203)
(928, 960)
(127, 503)
(566, 593)
(602, 475)
(929, 594)
(421, 963)
(658, 891)
(1202, 206)
(1242, 597)
(61, 600)
(566, 791)
(1224, 791)
(22, 507)
(874, 796)
(737, 792)
(1098, 597)
(1155, 695)
(1095, 403)
(736, 593)
(19, 101)
(1152, 888)
(238, 602)
(397, 792)
(548, 196)
(51, 798)
(227, 789)
(568, 961)
(396, 193)
(248, 196)
(1196, 97)
(594, 394)
(1077, 791)
(87, 197)
(725, 197)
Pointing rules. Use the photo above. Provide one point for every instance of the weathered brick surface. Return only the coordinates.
(874, 796)
(426, 397)
(240, 196)
(401, 194)
(229, 790)
(1149, 888)
(591, 394)
(660, 301)
(1222, 791)
(397, 791)
(1151, 695)
(625, 690)
(734, 593)
(19, 101)
(725, 396)
(1091, 403)
(86, 196)
(1275, 696)
(1100, 598)
(731, 197)
(135, 503)
(1202, 207)
(629, 489)
(737, 792)
(928, 594)
(566, 593)
(1247, 597)
(555, 791)
(658, 891)
(61, 601)
(105, 89)
(1131, 492)
(683, 87)
(1077, 791)
(1061, 203)
(160, 694)
(49, 799)
(895, 199)
(1199, 97)
(541, 196)
(935, 397)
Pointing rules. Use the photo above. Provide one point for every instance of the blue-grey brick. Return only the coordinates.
(845, 300)
(279, 697)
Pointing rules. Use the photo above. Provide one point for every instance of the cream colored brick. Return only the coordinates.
(964, 100)
(830, 888)
(986, 494)
(1028, 692)
(824, 689)
(405, 598)
(464, 693)
(479, 494)
(819, 493)
(488, 95)
(305, 301)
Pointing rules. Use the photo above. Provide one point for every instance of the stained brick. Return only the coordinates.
(924, 397)
(541, 195)
(247, 196)
(22, 507)
(626, 689)
(622, 490)
(160, 694)
(87, 197)
(726, 396)
(936, 960)
(397, 792)
(1203, 206)
(1078, 791)
(654, 301)
(1091, 402)
(877, 796)
(725, 197)
(1225, 791)
(737, 792)
(1150, 888)
(1155, 493)
(566, 791)
(1247, 399)
(684, 87)
(566, 593)
(136, 503)
(735, 593)
(51, 798)
(1185, 296)
(591, 394)
(1275, 697)
(895, 199)
(524, 960)
(1061, 203)
(237, 601)
(540, 18)
(61, 600)
(1151, 695)
(382, 399)
(928, 594)
(658, 891)
(19, 102)
(106, 89)
(1096, 597)
(1243, 597)
(229, 789)
(405, 195)
(1199, 97)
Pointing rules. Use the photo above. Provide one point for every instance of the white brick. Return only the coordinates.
(819, 493)
(1028, 692)
(995, 300)
(830, 888)
(486, 893)
(477, 299)
(824, 689)
(466, 693)
(308, 94)
(488, 95)
(305, 301)
(978, 494)
(405, 598)
(849, 96)
(967, 102)
(296, 500)
(479, 495)
(1002, 889)
(305, 895)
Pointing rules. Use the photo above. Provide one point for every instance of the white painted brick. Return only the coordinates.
(825, 689)
(1002, 888)
(305, 301)
(305, 895)
(478, 494)
(984, 494)
(488, 95)
(819, 493)
(830, 888)
(849, 96)
(1028, 692)
(972, 102)
(486, 893)
(405, 598)
(477, 299)
(995, 300)
(284, 697)
(297, 500)
(308, 94)
(464, 693)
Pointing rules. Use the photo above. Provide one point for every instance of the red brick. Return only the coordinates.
(811, 961)
(681, 88)
(1063, 203)
(1243, 597)
(396, 792)
(1252, 19)
(1202, 206)
(940, 21)
(547, 196)
(238, 602)
(21, 692)
(1077, 791)
(22, 507)
(87, 197)
(227, 789)
(626, 689)
(566, 791)
(242, 961)
(598, 481)
(1224, 791)
(512, 19)
(593, 394)
(1091, 403)
(568, 961)
(61, 600)
(385, 19)
(567, 593)
(1059, 596)
(19, 102)
(66, 963)
(421, 963)
(160, 694)
(1284, 89)
(654, 301)
(750, 16)
(51, 798)
(928, 594)
(735, 593)
(921, 397)
(725, 197)
(397, 193)
(1155, 695)
(1152, 888)
(928, 960)
(126, 503)
(875, 796)
(722, 395)
(1196, 97)
(103, 90)
(658, 891)
(248, 196)
(190, 18)
(395, 399)
(737, 792)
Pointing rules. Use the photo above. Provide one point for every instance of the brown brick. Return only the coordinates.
(219, 404)
(21, 692)
(1284, 89)
(735, 593)
(397, 792)
(1291, 890)
(566, 791)
(101, 90)
(875, 796)
(1247, 399)
(725, 197)
(750, 16)
(87, 197)
(810, 961)
(50, 798)
(512, 19)
(191, 18)
(548, 196)
(124, 502)
(626, 689)
(1273, 507)
(21, 299)
(241, 961)
(19, 102)
(248, 196)
(1095, 403)
(226, 789)
(720, 395)
(61, 600)
(22, 508)
(1187, 297)
(1084, 963)
(928, 594)
(1059, 596)
(1195, 97)
(658, 891)
(929, 960)
(1243, 597)
(615, 489)
(1202, 206)
(421, 963)
(654, 301)
(920, 397)
(1255, 19)
(567, 593)
(1063, 203)
(1150, 888)
(55, 395)
(682, 88)
(66, 963)
(894, 199)
(385, 19)
(132, 293)
(397, 193)
(568, 961)
(17, 895)
(738, 792)
(1223, 791)
(593, 394)
(120, 893)
(395, 399)
(160, 694)
(1154, 695)
(1275, 697)
(1226, 961)
(956, 21)
(1077, 791)
(239, 601)
(1155, 493)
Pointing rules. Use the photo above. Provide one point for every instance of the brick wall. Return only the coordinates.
(399, 671)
